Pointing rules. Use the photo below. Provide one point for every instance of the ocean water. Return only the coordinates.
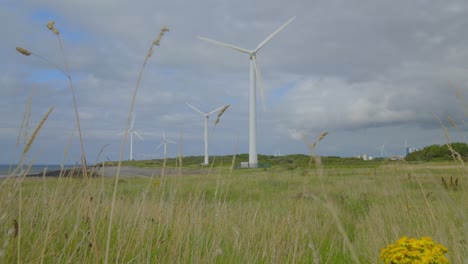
(6, 169)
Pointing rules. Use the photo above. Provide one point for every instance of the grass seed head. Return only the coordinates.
(51, 27)
(23, 51)
(322, 136)
(164, 29)
(221, 112)
(157, 41)
(314, 144)
(36, 130)
(452, 122)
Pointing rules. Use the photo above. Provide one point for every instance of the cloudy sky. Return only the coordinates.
(371, 73)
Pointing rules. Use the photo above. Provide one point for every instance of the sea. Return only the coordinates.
(5, 170)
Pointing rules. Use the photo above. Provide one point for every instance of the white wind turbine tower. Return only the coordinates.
(406, 148)
(165, 141)
(131, 132)
(207, 116)
(255, 77)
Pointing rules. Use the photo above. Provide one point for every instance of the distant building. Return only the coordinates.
(244, 165)
(364, 157)
(411, 150)
(277, 154)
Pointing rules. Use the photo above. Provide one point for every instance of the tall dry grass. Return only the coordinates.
(51, 26)
(328, 215)
(249, 216)
(156, 42)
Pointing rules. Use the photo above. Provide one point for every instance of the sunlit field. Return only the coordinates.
(326, 214)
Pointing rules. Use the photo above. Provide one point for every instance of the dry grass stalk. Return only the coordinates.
(327, 203)
(51, 26)
(452, 185)
(36, 130)
(220, 113)
(156, 42)
(315, 253)
(312, 150)
(452, 122)
(444, 183)
(314, 144)
(15, 228)
(462, 100)
(456, 156)
(180, 157)
(24, 129)
(27, 53)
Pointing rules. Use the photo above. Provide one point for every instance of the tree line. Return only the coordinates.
(439, 152)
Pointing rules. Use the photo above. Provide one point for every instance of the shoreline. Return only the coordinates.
(110, 172)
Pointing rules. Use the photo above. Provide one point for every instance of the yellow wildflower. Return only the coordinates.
(411, 250)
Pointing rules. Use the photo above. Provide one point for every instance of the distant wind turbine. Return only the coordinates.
(255, 77)
(131, 132)
(406, 148)
(164, 142)
(207, 116)
(382, 150)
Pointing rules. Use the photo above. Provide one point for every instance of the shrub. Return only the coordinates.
(411, 250)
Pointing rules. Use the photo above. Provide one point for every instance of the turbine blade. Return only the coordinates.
(219, 43)
(137, 134)
(133, 120)
(170, 141)
(259, 81)
(160, 145)
(216, 110)
(273, 34)
(194, 108)
(121, 133)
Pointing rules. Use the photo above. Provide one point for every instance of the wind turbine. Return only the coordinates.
(207, 116)
(255, 77)
(165, 141)
(382, 150)
(131, 131)
(406, 148)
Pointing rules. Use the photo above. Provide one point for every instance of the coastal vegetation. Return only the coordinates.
(299, 209)
(328, 214)
(440, 152)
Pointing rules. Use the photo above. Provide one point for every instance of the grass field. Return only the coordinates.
(343, 214)
(343, 211)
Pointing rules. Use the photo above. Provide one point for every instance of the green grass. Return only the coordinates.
(289, 162)
(247, 216)
(286, 214)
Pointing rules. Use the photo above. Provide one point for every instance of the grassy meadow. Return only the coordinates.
(326, 214)
(334, 211)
